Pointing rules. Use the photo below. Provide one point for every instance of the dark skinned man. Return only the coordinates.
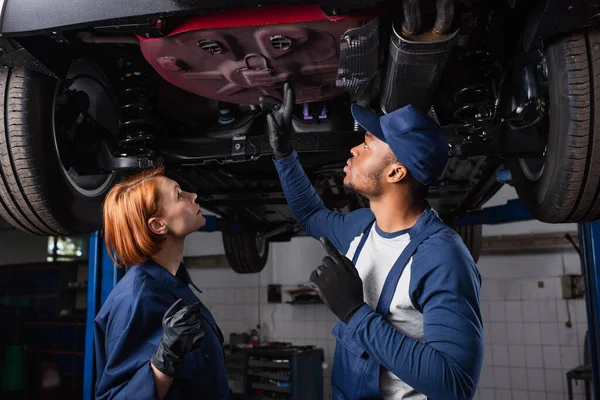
(406, 290)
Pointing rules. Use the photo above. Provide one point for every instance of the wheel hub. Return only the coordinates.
(83, 106)
(529, 106)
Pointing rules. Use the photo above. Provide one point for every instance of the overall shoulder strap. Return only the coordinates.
(362, 242)
(391, 282)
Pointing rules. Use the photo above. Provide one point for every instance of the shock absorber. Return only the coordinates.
(137, 127)
(474, 104)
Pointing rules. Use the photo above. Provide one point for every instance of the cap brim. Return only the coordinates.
(368, 120)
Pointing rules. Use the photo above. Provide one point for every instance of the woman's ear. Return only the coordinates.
(156, 226)
(396, 173)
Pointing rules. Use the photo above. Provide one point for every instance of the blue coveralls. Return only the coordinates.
(356, 375)
(128, 329)
(444, 287)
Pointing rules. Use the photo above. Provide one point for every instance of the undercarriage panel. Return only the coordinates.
(239, 64)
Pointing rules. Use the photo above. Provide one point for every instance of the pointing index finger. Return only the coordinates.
(332, 251)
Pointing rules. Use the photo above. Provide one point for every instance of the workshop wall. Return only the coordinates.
(528, 345)
(204, 243)
(295, 260)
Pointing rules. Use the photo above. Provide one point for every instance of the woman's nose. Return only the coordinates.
(194, 197)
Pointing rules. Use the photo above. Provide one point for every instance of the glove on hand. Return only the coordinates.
(338, 283)
(182, 333)
(279, 121)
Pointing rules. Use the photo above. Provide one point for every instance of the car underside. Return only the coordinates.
(95, 92)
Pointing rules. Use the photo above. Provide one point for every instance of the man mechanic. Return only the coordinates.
(407, 290)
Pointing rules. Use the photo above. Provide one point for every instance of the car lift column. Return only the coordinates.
(589, 237)
(102, 278)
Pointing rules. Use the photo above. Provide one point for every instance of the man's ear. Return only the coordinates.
(156, 226)
(396, 173)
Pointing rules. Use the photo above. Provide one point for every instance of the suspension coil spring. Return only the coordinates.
(136, 125)
(474, 104)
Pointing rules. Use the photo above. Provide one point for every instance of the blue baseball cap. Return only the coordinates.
(418, 142)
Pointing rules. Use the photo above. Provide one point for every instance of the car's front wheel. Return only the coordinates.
(40, 191)
(564, 184)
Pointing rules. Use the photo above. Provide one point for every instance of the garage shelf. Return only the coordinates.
(279, 372)
(268, 364)
(270, 375)
(38, 312)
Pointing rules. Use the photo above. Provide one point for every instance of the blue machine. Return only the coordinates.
(103, 276)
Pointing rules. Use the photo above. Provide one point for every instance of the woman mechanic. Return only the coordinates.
(153, 338)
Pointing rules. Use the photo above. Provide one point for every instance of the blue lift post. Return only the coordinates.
(102, 278)
(589, 234)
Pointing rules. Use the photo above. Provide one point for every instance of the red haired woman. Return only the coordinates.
(153, 337)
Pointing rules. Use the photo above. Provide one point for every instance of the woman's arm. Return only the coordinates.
(163, 382)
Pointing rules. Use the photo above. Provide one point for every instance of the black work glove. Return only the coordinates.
(279, 121)
(338, 283)
(182, 333)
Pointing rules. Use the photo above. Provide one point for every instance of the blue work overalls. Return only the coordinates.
(128, 329)
(355, 374)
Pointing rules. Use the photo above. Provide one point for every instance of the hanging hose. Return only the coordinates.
(412, 17)
(444, 18)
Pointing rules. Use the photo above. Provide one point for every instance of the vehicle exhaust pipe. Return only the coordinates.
(412, 17)
(416, 61)
(444, 18)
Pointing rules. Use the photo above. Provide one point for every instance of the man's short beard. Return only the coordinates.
(373, 190)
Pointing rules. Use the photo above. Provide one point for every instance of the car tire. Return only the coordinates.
(471, 236)
(246, 252)
(36, 194)
(565, 186)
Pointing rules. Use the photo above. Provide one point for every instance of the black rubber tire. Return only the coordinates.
(35, 196)
(568, 188)
(471, 236)
(242, 252)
